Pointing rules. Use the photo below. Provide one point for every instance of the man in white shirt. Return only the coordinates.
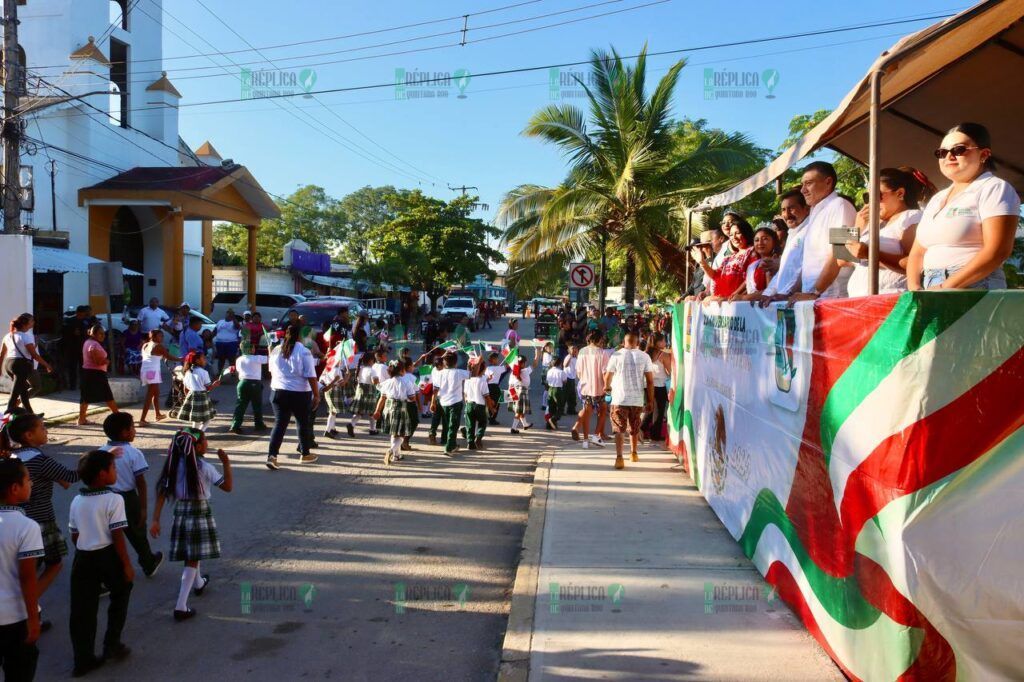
(153, 317)
(794, 210)
(225, 340)
(820, 275)
(629, 377)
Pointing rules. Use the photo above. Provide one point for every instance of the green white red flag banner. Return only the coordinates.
(868, 456)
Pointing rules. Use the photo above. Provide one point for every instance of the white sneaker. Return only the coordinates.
(596, 440)
(586, 445)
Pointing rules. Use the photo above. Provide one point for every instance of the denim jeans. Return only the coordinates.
(996, 280)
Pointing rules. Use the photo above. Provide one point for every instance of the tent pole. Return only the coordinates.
(873, 193)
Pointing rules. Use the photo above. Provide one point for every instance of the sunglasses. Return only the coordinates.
(955, 150)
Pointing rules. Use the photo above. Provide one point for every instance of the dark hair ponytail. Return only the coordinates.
(291, 337)
(916, 186)
(981, 137)
(18, 323)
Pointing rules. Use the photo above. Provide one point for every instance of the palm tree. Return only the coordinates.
(627, 184)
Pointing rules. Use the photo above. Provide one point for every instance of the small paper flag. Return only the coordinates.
(511, 356)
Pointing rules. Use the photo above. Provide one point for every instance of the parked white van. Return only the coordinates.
(269, 305)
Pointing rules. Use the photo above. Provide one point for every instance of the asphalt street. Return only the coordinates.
(344, 569)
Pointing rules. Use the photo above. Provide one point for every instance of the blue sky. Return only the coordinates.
(476, 140)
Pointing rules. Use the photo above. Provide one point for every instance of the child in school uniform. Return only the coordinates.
(568, 402)
(391, 409)
(495, 370)
(449, 400)
(477, 396)
(380, 366)
(365, 401)
(188, 479)
(196, 408)
(519, 393)
(131, 467)
(21, 546)
(97, 523)
(555, 380)
(249, 390)
(436, 419)
(412, 404)
(546, 360)
(332, 382)
(29, 432)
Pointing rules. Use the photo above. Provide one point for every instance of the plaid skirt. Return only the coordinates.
(194, 533)
(348, 391)
(54, 544)
(520, 405)
(396, 420)
(195, 408)
(335, 400)
(365, 400)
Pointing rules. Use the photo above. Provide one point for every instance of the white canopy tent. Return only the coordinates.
(969, 67)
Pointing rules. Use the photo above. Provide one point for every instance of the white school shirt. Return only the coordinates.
(449, 386)
(787, 279)
(196, 379)
(832, 211)
(209, 478)
(952, 233)
(17, 345)
(569, 364)
(20, 538)
(150, 319)
(94, 515)
(524, 378)
(226, 332)
(411, 380)
(365, 375)
(476, 390)
(292, 373)
(435, 376)
(250, 366)
(556, 377)
(628, 368)
(494, 373)
(889, 236)
(129, 464)
(380, 371)
(395, 388)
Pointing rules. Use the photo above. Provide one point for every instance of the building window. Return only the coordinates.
(119, 13)
(119, 113)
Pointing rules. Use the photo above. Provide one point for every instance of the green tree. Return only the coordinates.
(431, 246)
(852, 176)
(309, 214)
(362, 211)
(627, 184)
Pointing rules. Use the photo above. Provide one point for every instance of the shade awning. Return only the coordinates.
(47, 259)
(323, 280)
(969, 67)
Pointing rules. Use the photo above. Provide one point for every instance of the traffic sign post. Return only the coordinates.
(581, 275)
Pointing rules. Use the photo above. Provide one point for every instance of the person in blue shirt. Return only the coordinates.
(191, 338)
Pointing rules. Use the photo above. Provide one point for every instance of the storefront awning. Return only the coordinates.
(969, 67)
(46, 259)
(324, 281)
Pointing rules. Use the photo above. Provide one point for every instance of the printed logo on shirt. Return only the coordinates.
(959, 212)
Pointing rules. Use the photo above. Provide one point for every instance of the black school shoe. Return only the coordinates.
(351, 430)
(206, 583)
(472, 445)
(332, 434)
(87, 666)
(184, 615)
(158, 558)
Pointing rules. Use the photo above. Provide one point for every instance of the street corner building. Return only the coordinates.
(106, 176)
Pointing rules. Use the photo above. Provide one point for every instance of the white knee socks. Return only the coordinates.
(330, 421)
(188, 579)
(396, 443)
(198, 582)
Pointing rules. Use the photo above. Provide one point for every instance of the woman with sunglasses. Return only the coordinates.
(967, 230)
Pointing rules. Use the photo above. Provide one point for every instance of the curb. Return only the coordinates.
(515, 650)
(72, 416)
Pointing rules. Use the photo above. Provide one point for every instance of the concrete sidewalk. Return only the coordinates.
(634, 577)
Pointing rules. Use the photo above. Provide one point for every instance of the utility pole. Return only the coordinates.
(53, 193)
(11, 132)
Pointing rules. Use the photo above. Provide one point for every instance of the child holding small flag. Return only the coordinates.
(413, 404)
(495, 370)
(196, 408)
(519, 392)
(333, 379)
(477, 397)
(391, 409)
(366, 395)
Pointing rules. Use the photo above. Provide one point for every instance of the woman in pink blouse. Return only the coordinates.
(94, 385)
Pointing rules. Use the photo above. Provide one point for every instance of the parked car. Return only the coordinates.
(456, 308)
(355, 306)
(269, 305)
(120, 321)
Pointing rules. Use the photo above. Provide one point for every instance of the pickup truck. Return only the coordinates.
(456, 308)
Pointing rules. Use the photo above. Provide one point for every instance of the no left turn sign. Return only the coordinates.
(581, 275)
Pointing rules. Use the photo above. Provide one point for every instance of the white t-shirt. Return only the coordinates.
(250, 366)
(952, 233)
(227, 332)
(150, 319)
(787, 279)
(628, 367)
(129, 464)
(396, 388)
(94, 515)
(832, 211)
(410, 380)
(17, 345)
(292, 373)
(365, 375)
(494, 373)
(449, 386)
(476, 390)
(196, 379)
(380, 372)
(20, 538)
(570, 367)
(889, 236)
(435, 376)
(524, 377)
(209, 478)
(556, 377)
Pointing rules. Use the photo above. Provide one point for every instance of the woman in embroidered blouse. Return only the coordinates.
(733, 271)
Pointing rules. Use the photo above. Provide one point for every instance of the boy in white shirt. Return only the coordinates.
(569, 388)
(131, 467)
(97, 523)
(249, 390)
(21, 546)
(448, 398)
(495, 370)
(477, 394)
(555, 379)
